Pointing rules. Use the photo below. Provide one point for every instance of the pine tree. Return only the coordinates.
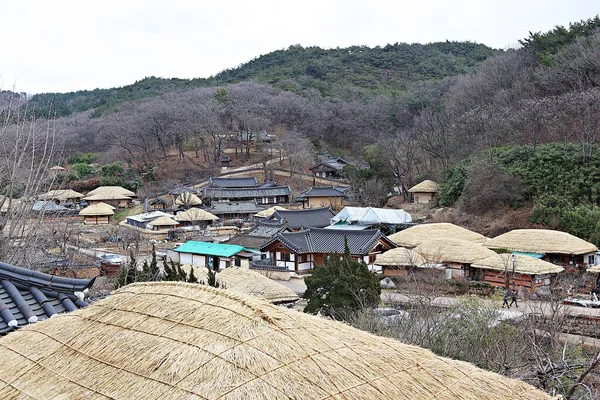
(211, 279)
(153, 273)
(167, 271)
(192, 278)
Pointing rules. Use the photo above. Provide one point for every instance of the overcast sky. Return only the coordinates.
(61, 46)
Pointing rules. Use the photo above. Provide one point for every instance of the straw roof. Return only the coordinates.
(414, 235)
(523, 264)
(453, 251)
(594, 270)
(188, 199)
(541, 241)
(56, 168)
(426, 186)
(164, 221)
(112, 190)
(170, 340)
(268, 212)
(400, 256)
(106, 196)
(195, 214)
(60, 195)
(247, 282)
(98, 209)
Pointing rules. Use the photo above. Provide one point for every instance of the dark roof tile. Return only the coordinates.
(308, 218)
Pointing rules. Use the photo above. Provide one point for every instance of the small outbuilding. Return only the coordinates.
(196, 217)
(399, 261)
(216, 256)
(162, 223)
(97, 214)
(424, 192)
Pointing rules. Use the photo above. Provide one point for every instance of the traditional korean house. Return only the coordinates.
(265, 214)
(196, 217)
(116, 196)
(305, 218)
(216, 256)
(159, 204)
(553, 246)
(225, 161)
(516, 269)
(162, 223)
(48, 207)
(330, 168)
(236, 182)
(97, 214)
(30, 296)
(424, 192)
(186, 200)
(399, 261)
(257, 236)
(323, 196)
(413, 236)
(240, 210)
(302, 251)
(62, 197)
(143, 220)
(261, 195)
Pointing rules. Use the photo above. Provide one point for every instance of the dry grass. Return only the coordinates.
(112, 190)
(98, 209)
(195, 214)
(185, 341)
(541, 241)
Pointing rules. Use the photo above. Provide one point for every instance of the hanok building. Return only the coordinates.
(424, 192)
(240, 210)
(143, 220)
(550, 245)
(196, 217)
(330, 168)
(414, 235)
(97, 214)
(186, 200)
(29, 296)
(302, 251)
(323, 196)
(399, 261)
(306, 218)
(261, 195)
(216, 256)
(241, 182)
(116, 196)
(62, 197)
(159, 204)
(163, 223)
(257, 236)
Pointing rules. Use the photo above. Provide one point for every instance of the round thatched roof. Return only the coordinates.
(523, 264)
(400, 257)
(453, 251)
(114, 190)
(195, 214)
(60, 195)
(244, 281)
(541, 241)
(98, 209)
(268, 212)
(414, 235)
(106, 196)
(164, 221)
(188, 199)
(168, 340)
(426, 186)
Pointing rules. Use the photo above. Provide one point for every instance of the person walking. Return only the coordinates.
(513, 299)
(505, 299)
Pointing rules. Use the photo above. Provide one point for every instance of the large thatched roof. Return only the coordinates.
(414, 235)
(400, 257)
(112, 190)
(268, 212)
(523, 264)
(164, 221)
(188, 199)
(244, 281)
(541, 241)
(98, 209)
(453, 251)
(195, 214)
(184, 341)
(106, 196)
(426, 186)
(60, 195)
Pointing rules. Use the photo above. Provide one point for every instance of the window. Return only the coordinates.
(591, 260)
(285, 256)
(237, 262)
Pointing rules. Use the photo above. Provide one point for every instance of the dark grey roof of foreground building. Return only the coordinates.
(307, 218)
(247, 193)
(28, 296)
(233, 182)
(317, 240)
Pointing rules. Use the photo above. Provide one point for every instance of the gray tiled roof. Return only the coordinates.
(248, 241)
(325, 191)
(246, 193)
(325, 241)
(309, 218)
(27, 296)
(47, 206)
(233, 182)
(267, 229)
(242, 207)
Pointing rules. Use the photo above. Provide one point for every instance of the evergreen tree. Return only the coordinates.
(192, 278)
(167, 271)
(341, 286)
(211, 279)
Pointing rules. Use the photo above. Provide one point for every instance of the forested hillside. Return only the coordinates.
(348, 73)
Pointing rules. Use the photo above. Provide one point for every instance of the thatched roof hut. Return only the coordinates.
(426, 186)
(97, 210)
(195, 215)
(544, 241)
(523, 265)
(453, 251)
(106, 196)
(414, 235)
(188, 199)
(62, 195)
(268, 212)
(114, 190)
(248, 282)
(400, 257)
(164, 222)
(169, 340)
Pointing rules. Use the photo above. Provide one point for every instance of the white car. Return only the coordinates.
(112, 259)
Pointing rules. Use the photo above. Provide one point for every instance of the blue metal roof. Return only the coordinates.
(211, 249)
